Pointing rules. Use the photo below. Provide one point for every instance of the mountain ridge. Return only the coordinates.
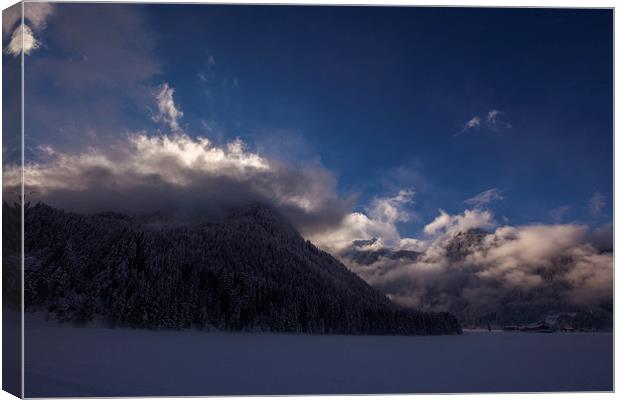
(248, 271)
(513, 307)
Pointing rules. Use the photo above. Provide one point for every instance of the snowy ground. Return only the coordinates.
(68, 361)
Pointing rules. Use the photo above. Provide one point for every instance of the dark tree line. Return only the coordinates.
(11, 255)
(249, 271)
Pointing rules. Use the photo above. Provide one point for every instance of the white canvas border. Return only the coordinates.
(461, 3)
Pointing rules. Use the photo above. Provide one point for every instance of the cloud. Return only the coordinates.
(495, 120)
(143, 174)
(168, 110)
(22, 37)
(392, 209)
(507, 273)
(37, 14)
(557, 214)
(485, 198)
(355, 226)
(493, 116)
(473, 123)
(520, 251)
(10, 17)
(118, 40)
(596, 203)
(208, 74)
(206, 125)
(535, 256)
(469, 219)
(71, 91)
(602, 237)
(379, 222)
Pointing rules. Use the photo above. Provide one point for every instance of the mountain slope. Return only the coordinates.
(248, 271)
(464, 243)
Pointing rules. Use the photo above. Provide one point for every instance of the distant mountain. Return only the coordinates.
(516, 307)
(508, 307)
(464, 243)
(248, 271)
(590, 320)
(359, 253)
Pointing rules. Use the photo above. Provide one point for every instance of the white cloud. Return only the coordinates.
(145, 173)
(493, 116)
(473, 123)
(22, 39)
(22, 36)
(174, 160)
(168, 110)
(523, 251)
(485, 198)
(596, 203)
(495, 120)
(443, 220)
(355, 226)
(534, 256)
(591, 277)
(542, 267)
(469, 219)
(379, 222)
(392, 209)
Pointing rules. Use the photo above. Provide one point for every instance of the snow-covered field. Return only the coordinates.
(69, 361)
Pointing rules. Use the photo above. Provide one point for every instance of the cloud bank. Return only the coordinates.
(470, 219)
(149, 173)
(501, 274)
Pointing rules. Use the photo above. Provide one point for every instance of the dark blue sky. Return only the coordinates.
(381, 97)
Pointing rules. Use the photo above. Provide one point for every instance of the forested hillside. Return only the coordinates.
(248, 271)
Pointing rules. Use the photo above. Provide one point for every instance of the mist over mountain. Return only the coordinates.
(510, 276)
(249, 270)
(367, 252)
